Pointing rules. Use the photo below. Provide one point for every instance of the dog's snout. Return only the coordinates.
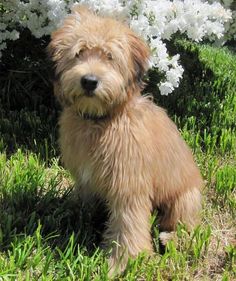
(89, 82)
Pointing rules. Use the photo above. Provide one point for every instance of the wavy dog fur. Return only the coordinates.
(116, 143)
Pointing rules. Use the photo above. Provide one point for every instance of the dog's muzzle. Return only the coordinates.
(89, 83)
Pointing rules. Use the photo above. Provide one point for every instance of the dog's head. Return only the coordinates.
(99, 62)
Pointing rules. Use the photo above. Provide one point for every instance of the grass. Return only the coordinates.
(43, 236)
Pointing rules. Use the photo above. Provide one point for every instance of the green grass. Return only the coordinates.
(43, 236)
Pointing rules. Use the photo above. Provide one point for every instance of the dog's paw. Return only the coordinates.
(164, 237)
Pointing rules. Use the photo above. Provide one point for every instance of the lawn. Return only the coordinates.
(44, 236)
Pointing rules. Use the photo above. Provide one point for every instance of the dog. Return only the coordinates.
(116, 143)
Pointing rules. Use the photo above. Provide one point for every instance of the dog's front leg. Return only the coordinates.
(128, 230)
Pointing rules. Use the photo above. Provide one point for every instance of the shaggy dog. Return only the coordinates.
(116, 143)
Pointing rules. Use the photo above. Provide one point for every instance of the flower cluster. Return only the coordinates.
(230, 26)
(153, 20)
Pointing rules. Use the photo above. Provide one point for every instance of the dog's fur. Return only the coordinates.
(118, 144)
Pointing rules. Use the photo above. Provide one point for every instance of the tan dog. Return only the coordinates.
(116, 143)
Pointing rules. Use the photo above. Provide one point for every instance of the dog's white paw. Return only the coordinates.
(166, 236)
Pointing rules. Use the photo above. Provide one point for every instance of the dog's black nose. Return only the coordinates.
(89, 82)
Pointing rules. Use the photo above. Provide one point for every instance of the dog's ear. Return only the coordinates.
(63, 38)
(60, 41)
(140, 54)
(53, 49)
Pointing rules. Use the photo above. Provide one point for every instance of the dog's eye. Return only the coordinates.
(109, 56)
(79, 53)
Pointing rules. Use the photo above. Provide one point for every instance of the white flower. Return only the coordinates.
(166, 88)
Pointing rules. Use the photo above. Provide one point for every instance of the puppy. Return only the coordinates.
(118, 144)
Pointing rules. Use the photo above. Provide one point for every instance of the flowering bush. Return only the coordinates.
(154, 20)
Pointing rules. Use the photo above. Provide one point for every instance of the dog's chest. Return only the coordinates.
(101, 157)
(78, 153)
(84, 149)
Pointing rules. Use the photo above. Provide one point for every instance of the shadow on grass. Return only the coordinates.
(59, 217)
(28, 110)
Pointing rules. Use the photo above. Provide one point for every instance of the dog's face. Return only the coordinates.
(99, 63)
